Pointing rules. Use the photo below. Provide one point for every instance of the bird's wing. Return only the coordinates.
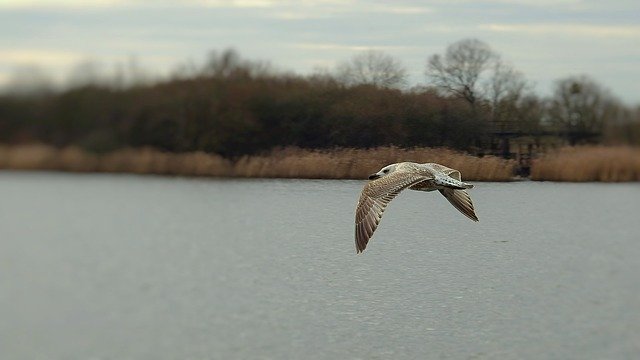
(448, 171)
(375, 196)
(461, 200)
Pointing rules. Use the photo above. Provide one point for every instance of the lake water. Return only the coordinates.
(142, 267)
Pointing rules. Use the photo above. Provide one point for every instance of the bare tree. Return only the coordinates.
(472, 71)
(223, 64)
(505, 82)
(581, 107)
(84, 73)
(460, 69)
(505, 89)
(230, 64)
(30, 80)
(372, 68)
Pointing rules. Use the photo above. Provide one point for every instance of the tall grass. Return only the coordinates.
(280, 163)
(589, 163)
(359, 163)
(136, 161)
(584, 163)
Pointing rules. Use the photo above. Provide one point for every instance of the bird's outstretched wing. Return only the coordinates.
(447, 171)
(460, 199)
(375, 196)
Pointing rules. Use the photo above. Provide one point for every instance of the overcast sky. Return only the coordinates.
(544, 39)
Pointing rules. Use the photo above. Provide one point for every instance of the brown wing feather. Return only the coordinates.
(461, 200)
(375, 196)
(448, 171)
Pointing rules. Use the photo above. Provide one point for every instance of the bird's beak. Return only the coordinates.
(373, 176)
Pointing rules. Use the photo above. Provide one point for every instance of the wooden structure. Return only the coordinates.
(524, 147)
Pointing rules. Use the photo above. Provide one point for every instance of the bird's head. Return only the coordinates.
(384, 171)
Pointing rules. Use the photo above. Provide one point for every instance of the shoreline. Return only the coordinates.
(573, 164)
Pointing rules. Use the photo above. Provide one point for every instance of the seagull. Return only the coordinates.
(392, 179)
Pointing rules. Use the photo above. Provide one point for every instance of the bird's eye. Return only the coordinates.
(385, 171)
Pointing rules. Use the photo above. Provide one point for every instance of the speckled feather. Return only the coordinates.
(377, 194)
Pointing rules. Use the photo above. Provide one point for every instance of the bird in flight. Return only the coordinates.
(392, 179)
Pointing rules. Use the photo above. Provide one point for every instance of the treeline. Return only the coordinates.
(233, 107)
(239, 114)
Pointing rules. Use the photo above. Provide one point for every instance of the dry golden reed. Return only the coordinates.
(136, 161)
(359, 163)
(589, 163)
(584, 163)
(279, 163)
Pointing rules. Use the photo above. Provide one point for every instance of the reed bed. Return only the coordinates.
(584, 163)
(589, 163)
(135, 161)
(280, 163)
(359, 163)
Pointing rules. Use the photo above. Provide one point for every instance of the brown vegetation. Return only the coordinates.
(589, 163)
(280, 163)
(584, 163)
(136, 161)
(359, 163)
(233, 108)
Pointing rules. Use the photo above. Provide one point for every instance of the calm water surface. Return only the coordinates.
(128, 267)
